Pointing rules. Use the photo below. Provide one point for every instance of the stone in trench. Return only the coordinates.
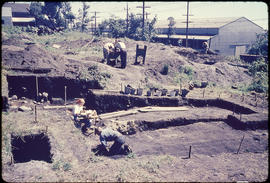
(24, 108)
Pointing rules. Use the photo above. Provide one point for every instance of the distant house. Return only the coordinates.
(17, 14)
(227, 36)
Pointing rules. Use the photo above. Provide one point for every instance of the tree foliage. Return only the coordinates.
(171, 27)
(118, 28)
(51, 14)
(259, 71)
(83, 16)
(260, 47)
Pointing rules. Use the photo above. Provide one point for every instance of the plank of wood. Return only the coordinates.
(117, 114)
(58, 106)
(160, 109)
(142, 109)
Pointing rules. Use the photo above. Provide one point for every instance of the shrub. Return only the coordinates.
(259, 71)
(165, 70)
(187, 70)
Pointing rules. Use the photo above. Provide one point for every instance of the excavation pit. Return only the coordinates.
(31, 147)
(27, 86)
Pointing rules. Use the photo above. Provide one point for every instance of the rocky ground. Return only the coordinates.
(161, 141)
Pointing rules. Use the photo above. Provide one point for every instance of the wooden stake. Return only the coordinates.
(65, 95)
(240, 116)
(36, 113)
(189, 152)
(255, 97)
(37, 86)
(203, 92)
(240, 144)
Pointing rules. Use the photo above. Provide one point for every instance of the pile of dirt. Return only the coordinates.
(211, 68)
(33, 56)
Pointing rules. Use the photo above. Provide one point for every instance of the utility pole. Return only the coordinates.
(95, 16)
(187, 23)
(143, 7)
(127, 16)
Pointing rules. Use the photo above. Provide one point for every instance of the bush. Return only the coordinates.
(186, 70)
(259, 71)
(165, 70)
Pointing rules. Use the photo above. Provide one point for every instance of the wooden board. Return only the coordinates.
(117, 114)
(160, 109)
(142, 109)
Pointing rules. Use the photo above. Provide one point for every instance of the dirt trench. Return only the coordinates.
(26, 86)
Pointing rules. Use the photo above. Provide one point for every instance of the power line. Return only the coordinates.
(143, 7)
(127, 16)
(95, 16)
(187, 22)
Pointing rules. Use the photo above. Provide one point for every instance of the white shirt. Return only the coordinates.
(77, 109)
(120, 45)
(109, 46)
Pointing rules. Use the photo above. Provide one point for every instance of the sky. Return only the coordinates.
(255, 11)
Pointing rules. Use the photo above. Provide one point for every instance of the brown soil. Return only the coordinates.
(160, 140)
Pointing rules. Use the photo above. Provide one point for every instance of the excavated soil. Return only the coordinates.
(201, 143)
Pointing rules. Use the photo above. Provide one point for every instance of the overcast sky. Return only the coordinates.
(255, 11)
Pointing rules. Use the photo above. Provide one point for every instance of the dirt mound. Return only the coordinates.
(33, 56)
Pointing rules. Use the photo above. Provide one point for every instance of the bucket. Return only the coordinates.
(172, 93)
(132, 91)
(158, 93)
(127, 90)
(148, 93)
(164, 92)
(139, 91)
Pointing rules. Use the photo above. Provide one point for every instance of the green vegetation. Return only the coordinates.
(259, 71)
(134, 31)
(260, 47)
(165, 70)
(93, 73)
(186, 73)
(60, 164)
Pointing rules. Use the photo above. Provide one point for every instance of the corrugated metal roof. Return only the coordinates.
(6, 12)
(184, 37)
(17, 7)
(198, 22)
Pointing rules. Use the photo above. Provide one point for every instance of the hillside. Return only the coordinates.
(173, 138)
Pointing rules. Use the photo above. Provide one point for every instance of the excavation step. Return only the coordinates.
(130, 121)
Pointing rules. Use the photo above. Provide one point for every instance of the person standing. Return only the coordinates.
(120, 49)
(108, 52)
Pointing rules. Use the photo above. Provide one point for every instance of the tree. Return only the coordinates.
(54, 14)
(117, 27)
(260, 47)
(68, 15)
(35, 10)
(83, 16)
(171, 27)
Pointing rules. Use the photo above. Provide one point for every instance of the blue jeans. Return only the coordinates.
(78, 122)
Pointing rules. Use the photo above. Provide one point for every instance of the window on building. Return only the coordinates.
(3, 21)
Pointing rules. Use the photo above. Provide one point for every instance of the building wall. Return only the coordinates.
(235, 37)
(6, 21)
(6, 16)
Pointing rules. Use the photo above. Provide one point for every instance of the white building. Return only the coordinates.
(16, 14)
(227, 36)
